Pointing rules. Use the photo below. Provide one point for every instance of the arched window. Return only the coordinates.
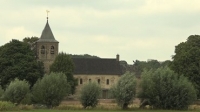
(52, 49)
(42, 50)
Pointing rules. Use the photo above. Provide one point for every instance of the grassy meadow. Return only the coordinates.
(103, 106)
(46, 110)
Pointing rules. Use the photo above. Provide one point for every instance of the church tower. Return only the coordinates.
(47, 47)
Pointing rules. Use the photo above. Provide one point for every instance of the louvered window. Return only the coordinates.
(52, 49)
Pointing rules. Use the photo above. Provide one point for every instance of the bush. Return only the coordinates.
(16, 91)
(27, 99)
(24, 107)
(89, 94)
(125, 89)
(164, 89)
(1, 93)
(51, 89)
(4, 105)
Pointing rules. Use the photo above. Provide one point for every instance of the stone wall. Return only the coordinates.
(46, 55)
(105, 81)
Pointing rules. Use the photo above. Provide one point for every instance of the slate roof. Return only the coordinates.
(47, 35)
(98, 66)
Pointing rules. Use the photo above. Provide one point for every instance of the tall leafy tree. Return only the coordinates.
(165, 63)
(30, 39)
(164, 89)
(16, 91)
(186, 60)
(17, 60)
(63, 63)
(125, 90)
(89, 94)
(51, 89)
(139, 66)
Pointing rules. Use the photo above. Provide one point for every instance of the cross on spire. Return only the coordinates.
(47, 13)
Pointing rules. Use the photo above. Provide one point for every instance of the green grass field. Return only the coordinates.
(46, 110)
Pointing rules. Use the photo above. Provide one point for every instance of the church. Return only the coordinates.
(104, 71)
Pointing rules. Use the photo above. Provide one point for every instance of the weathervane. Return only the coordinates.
(47, 13)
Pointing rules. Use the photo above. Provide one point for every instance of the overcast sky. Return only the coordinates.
(134, 29)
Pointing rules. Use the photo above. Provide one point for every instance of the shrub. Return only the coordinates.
(51, 89)
(4, 105)
(125, 89)
(89, 94)
(16, 91)
(164, 89)
(1, 92)
(27, 99)
(24, 107)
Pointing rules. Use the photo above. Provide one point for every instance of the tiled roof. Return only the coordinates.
(96, 66)
(47, 35)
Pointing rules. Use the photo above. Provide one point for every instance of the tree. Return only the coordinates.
(186, 60)
(17, 60)
(30, 39)
(89, 94)
(165, 63)
(139, 66)
(51, 89)
(16, 91)
(125, 89)
(1, 92)
(164, 89)
(63, 63)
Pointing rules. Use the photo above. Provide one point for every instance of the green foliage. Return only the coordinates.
(27, 99)
(30, 39)
(16, 91)
(51, 89)
(63, 63)
(186, 60)
(89, 94)
(18, 61)
(166, 63)
(139, 66)
(4, 106)
(164, 89)
(125, 67)
(1, 92)
(125, 89)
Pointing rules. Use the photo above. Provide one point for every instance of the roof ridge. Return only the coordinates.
(95, 58)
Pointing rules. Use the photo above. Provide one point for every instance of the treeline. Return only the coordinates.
(139, 66)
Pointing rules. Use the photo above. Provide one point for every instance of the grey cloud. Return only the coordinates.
(92, 18)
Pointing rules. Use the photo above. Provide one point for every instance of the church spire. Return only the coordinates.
(47, 35)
